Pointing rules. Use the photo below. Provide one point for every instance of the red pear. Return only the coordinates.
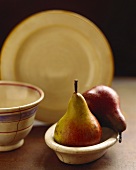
(104, 103)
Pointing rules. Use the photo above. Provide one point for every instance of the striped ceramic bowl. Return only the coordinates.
(18, 105)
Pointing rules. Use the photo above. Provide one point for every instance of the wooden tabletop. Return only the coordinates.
(35, 154)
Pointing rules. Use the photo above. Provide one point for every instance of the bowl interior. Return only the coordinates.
(13, 94)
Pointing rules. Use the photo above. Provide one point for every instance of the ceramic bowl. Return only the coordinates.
(18, 105)
(81, 155)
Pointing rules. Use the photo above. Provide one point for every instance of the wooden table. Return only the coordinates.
(35, 155)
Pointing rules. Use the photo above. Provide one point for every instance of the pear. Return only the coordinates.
(78, 127)
(104, 103)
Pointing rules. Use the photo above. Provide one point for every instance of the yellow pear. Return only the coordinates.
(78, 127)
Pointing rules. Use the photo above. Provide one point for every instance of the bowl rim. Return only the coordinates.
(25, 106)
(78, 150)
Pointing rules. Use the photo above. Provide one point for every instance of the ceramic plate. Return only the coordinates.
(50, 49)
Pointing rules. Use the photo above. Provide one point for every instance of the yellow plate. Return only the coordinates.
(50, 49)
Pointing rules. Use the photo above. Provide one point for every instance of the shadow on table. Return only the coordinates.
(36, 155)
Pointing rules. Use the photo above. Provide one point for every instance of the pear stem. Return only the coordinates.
(76, 87)
(120, 137)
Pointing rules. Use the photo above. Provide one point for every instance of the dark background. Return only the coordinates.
(116, 19)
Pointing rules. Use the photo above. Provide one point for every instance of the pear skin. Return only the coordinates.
(104, 103)
(78, 127)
